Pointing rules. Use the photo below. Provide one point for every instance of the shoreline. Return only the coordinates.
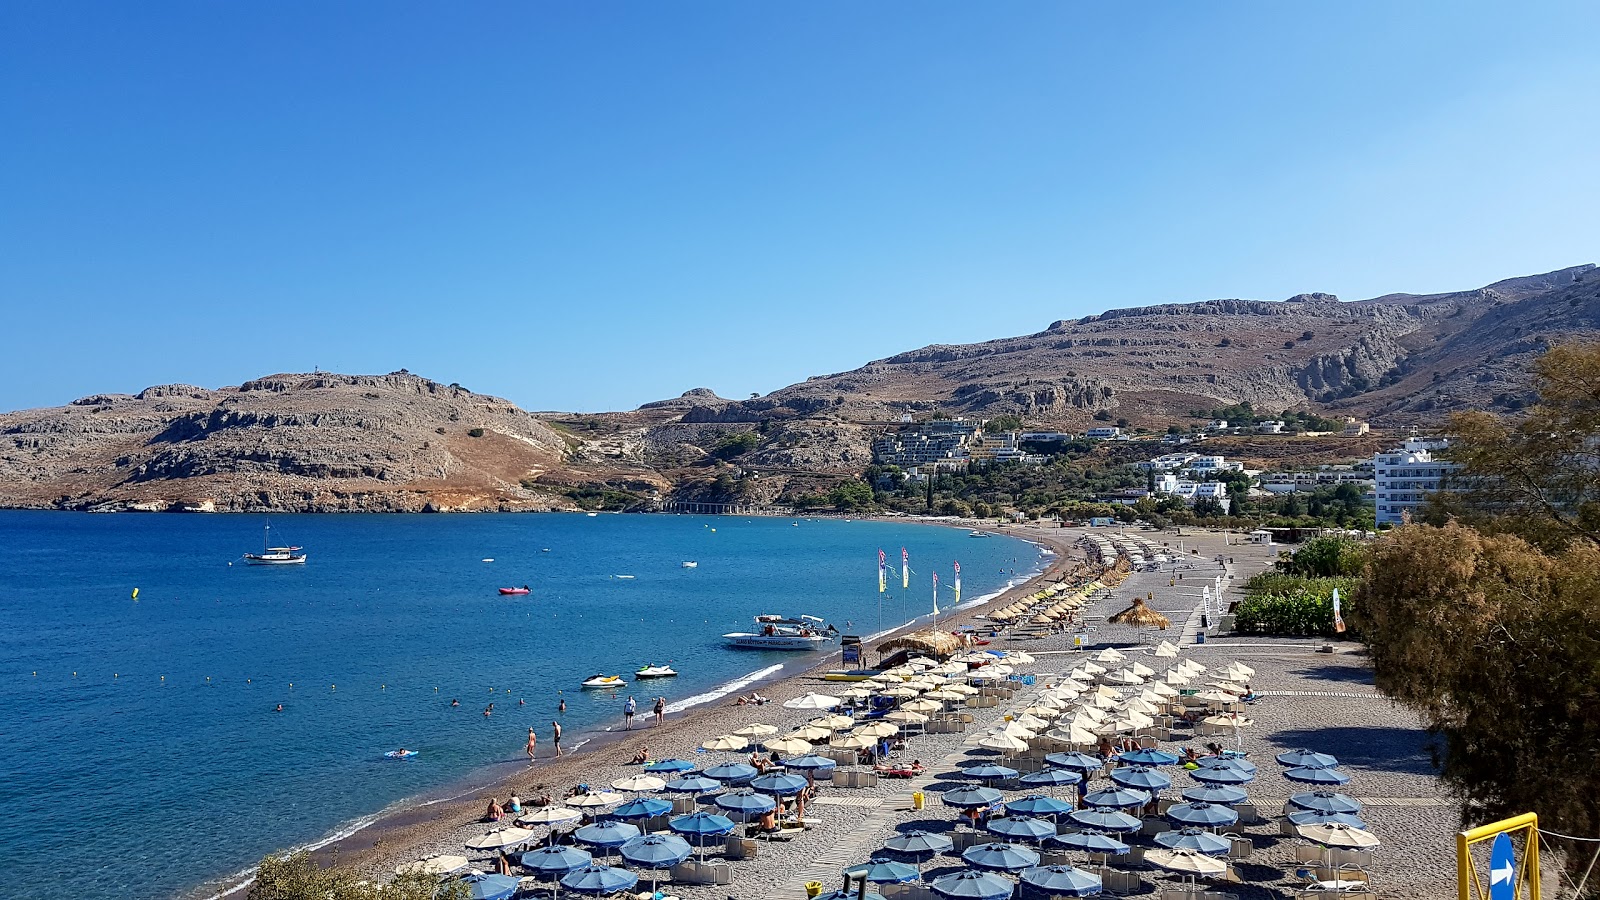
(410, 828)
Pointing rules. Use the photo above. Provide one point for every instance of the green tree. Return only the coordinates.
(851, 496)
(1000, 424)
(736, 444)
(1327, 557)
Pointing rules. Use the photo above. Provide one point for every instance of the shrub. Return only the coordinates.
(1291, 605)
(1327, 557)
(475, 432)
(736, 444)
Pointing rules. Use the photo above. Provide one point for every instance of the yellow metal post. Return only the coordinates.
(1527, 864)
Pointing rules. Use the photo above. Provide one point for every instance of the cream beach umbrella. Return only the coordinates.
(1085, 723)
(1241, 668)
(1166, 650)
(789, 746)
(884, 679)
(1339, 834)
(594, 800)
(1107, 692)
(878, 730)
(726, 743)
(1090, 668)
(1192, 667)
(1141, 670)
(952, 668)
(852, 742)
(1140, 705)
(923, 705)
(1186, 862)
(1002, 741)
(998, 670)
(1033, 723)
(1124, 676)
(902, 671)
(812, 701)
(757, 730)
(499, 839)
(1101, 701)
(1042, 711)
(1132, 721)
(1216, 697)
(835, 721)
(1177, 678)
(1227, 721)
(900, 692)
(1230, 687)
(1081, 674)
(944, 693)
(1165, 690)
(922, 662)
(1094, 712)
(639, 783)
(964, 689)
(433, 864)
(1020, 657)
(857, 693)
(1108, 655)
(549, 815)
(1077, 735)
(907, 717)
(811, 733)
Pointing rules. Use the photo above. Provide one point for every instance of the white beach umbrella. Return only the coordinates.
(639, 783)
(1124, 676)
(1032, 722)
(500, 838)
(433, 864)
(907, 716)
(726, 743)
(1107, 692)
(1079, 735)
(857, 693)
(922, 662)
(852, 742)
(1002, 741)
(789, 746)
(1166, 650)
(1082, 674)
(965, 689)
(1242, 668)
(904, 692)
(1131, 721)
(1140, 705)
(1164, 690)
(884, 679)
(1227, 721)
(998, 670)
(594, 800)
(1101, 701)
(1141, 670)
(1090, 668)
(944, 694)
(1186, 862)
(549, 815)
(1216, 697)
(1017, 730)
(1229, 686)
(1020, 657)
(811, 733)
(836, 722)
(878, 730)
(1108, 655)
(1192, 667)
(1042, 712)
(812, 701)
(1338, 834)
(923, 705)
(757, 729)
(1177, 678)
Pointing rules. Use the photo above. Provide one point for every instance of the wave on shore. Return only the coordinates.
(717, 693)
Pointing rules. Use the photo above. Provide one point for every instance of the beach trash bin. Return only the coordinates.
(813, 889)
(918, 799)
(1199, 637)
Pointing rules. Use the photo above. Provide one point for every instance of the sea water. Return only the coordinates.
(141, 750)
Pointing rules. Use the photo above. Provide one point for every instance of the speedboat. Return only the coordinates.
(977, 534)
(691, 564)
(509, 591)
(656, 672)
(604, 681)
(274, 556)
(779, 633)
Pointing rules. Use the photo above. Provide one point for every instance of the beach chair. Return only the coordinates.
(1242, 846)
(1248, 814)
(740, 848)
(1116, 882)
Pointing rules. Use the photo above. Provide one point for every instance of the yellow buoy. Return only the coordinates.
(135, 593)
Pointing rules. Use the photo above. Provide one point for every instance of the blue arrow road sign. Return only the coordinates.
(1502, 869)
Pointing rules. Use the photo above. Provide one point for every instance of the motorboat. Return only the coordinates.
(656, 672)
(690, 564)
(514, 590)
(604, 681)
(977, 534)
(779, 633)
(274, 556)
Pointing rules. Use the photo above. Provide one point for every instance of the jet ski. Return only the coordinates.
(656, 672)
(604, 681)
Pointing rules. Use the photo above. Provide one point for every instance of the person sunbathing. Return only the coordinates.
(640, 757)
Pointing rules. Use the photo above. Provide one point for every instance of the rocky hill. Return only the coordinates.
(318, 442)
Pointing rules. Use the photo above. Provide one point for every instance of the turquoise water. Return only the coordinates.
(140, 750)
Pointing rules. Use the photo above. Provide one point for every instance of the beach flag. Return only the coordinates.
(1338, 620)
(958, 583)
(905, 569)
(882, 578)
(936, 593)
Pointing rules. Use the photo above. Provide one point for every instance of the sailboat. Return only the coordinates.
(274, 556)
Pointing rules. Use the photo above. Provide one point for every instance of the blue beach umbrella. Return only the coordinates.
(969, 797)
(1142, 778)
(884, 871)
(972, 885)
(670, 766)
(556, 860)
(1092, 842)
(1021, 828)
(1001, 856)
(1117, 797)
(1227, 762)
(1295, 758)
(1102, 819)
(1221, 775)
(643, 808)
(779, 783)
(1324, 801)
(1316, 775)
(1308, 817)
(747, 803)
(1194, 839)
(607, 834)
(490, 887)
(692, 784)
(594, 879)
(1202, 815)
(656, 851)
(1051, 778)
(1148, 756)
(849, 895)
(1215, 793)
(731, 772)
(989, 772)
(1083, 762)
(701, 824)
(919, 842)
(1039, 806)
(810, 762)
(1061, 881)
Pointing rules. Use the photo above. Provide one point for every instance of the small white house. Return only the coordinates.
(1102, 432)
(1261, 536)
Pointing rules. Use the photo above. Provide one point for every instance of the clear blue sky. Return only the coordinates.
(590, 205)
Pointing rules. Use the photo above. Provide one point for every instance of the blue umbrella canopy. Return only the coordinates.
(1148, 756)
(490, 887)
(1001, 856)
(1059, 881)
(692, 784)
(989, 772)
(1215, 793)
(701, 823)
(1141, 778)
(884, 871)
(852, 895)
(1117, 797)
(1295, 758)
(1307, 817)
(968, 797)
(780, 783)
(643, 808)
(1315, 775)
(1194, 839)
(1021, 828)
(1221, 775)
(670, 766)
(1102, 819)
(610, 833)
(1204, 815)
(1083, 762)
(747, 802)
(972, 885)
(1324, 801)
(1039, 806)
(656, 851)
(594, 879)
(1051, 777)
(1227, 762)
(1092, 842)
(810, 762)
(556, 860)
(918, 842)
(731, 772)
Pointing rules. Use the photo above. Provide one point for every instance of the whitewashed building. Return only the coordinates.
(1403, 478)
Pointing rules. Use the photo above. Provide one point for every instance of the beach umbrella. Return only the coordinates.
(779, 783)
(692, 784)
(1103, 819)
(809, 733)
(989, 772)
(856, 693)
(594, 800)
(1141, 778)
(919, 842)
(1021, 828)
(670, 766)
(788, 746)
(1215, 793)
(835, 722)
(557, 860)
(1032, 723)
(1186, 862)
(812, 701)
(639, 783)
(1039, 806)
(607, 834)
(902, 692)
(1221, 775)
(878, 730)
(1002, 741)
(1339, 834)
(1297, 758)
(946, 693)
(1148, 757)
(852, 742)
(1083, 762)
(1324, 801)
(1227, 762)
(1117, 797)
(1092, 842)
(1165, 650)
(1140, 705)
(549, 815)
(1051, 778)
(490, 887)
(884, 871)
(1316, 775)
(973, 885)
(747, 803)
(597, 879)
(906, 717)
(1108, 655)
(757, 729)
(1001, 856)
(1202, 814)
(433, 864)
(809, 762)
(965, 690)
(849, 895)
(1307, 817)
(726, 743)
(1163, 690)
(731, 772)
(702, 825)
(1195, 839)
(969, 797)
(1061, 881)
(1216, 697)
(499, 839)
(656, 851)
(642, 808)
(1078, 733)
(922, 705)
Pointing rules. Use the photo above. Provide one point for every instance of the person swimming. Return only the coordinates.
(455, 702)
(279, 709)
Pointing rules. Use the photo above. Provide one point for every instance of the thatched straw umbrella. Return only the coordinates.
(1141, 616)
(932, 643)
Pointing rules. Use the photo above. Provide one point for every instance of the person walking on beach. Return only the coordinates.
(628, 709)
(533, 742)
(555, 730)
(661, 710)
